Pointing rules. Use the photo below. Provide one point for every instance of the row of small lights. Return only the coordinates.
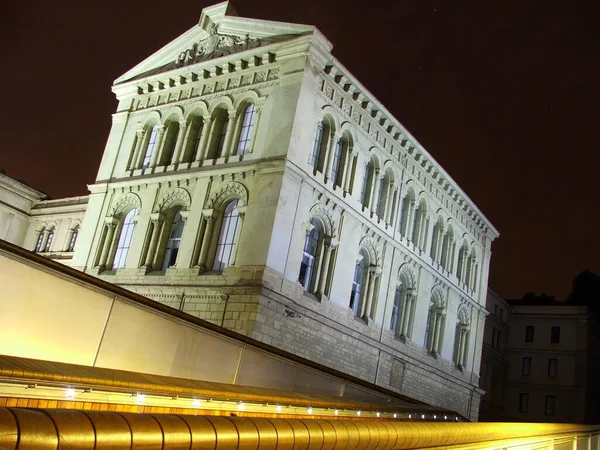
(241, 406)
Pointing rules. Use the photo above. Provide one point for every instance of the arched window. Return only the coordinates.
(308, 266)
(170, 140)
(230, 227)
(357, 283)
(40, 240)
(73, 240)
(461, 342)
(198, 125)
(434, 331)
(218, 134)
(174, 242)
(368, 182)
(245, 138)
(150, 147)
(419, 232)
(437, 240)
(448, 249)
(49, 240)
(404, 308)
(124, 241)
(408, 207)
(321, 144)
(384, 203)
(462, 262)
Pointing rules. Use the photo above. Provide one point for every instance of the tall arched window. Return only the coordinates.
(308, 266)
(434, 331)
(228, 235)
(317, 147)
(198, 124)
(437, 240)
(408, 206)
(461, 342)
(170, 140)
(357, 283)
(150, 147)
(247, 129)
(368, 182)
(403, 308)
(335, 166)
(462, 262)
(448, 248)
(124, 241)
(73, 240)
(40, 240)
(218, 134)
(49, 240)
(174, 242)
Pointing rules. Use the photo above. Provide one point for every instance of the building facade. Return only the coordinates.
(494, 362)
(250, 180)
(553, 362)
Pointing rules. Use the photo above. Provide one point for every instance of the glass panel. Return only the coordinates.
(38, 245)
(246, 131)
(550, 405)
(307, 265)
(49, 240)
(317, 145)
(223, 133)
(396, 311)
(73, 240)
(228, 236)
(336, 161)
(174, 241)
(197, 140)
(359, 273)
(124, 240)
(555, 335)
(150, 147)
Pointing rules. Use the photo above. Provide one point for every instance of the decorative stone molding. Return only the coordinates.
(126, 202)
(230, 190)
(171, 197)
(215, 45)
(373, 248)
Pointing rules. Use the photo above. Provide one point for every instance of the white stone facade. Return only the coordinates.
(250, 180)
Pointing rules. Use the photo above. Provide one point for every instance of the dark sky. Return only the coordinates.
(504, 94)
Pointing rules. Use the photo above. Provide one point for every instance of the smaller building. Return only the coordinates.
(552, 355)
(30, 219)
(494, 362)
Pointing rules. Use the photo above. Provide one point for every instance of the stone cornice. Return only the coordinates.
(388, 134)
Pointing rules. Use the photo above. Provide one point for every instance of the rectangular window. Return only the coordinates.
(550, 405)
(526, 367)
(495, 337)
(554, 335)
(529, 332)
(552, 367)
(523, 402)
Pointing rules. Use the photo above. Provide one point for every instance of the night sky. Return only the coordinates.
(504, 95)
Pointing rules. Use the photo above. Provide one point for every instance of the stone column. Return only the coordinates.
(406, 314)
(438, 332)
(181, 138)
(347, 171)
(365, 294)
(374, 191)
(325, 268)
(160, 132)
(410, 221)
(229, 145)
(208, 217)
(135, 161)
(388, 196)
(110, 224)
(157, 222)
(329, 156)
(374, 274)
(206, 126)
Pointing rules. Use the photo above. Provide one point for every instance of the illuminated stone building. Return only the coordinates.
(250, 180)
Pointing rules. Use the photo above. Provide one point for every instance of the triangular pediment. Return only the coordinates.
(219, 32)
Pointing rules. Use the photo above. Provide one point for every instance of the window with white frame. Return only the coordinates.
(73, 240)
(230, 227)
(245, 139)
(150, 147)
(308, 266)
(357, 283)
(403, 307)
(174, 242)
(40, 240)
(49, 240)
(124, 241)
